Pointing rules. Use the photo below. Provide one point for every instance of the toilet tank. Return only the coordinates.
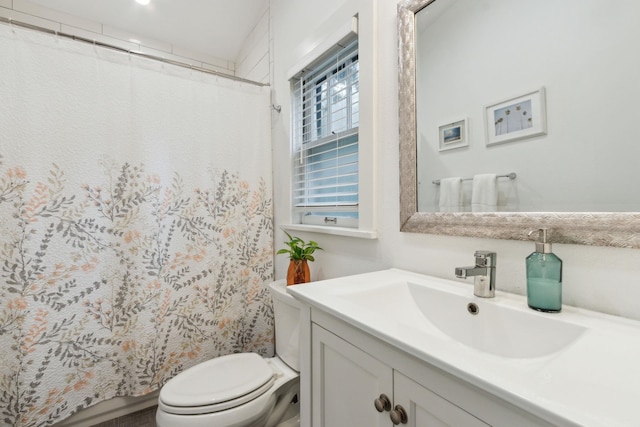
(286, 312)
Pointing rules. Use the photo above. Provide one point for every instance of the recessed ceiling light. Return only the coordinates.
(143, 2)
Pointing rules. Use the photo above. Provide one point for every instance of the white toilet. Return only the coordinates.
(244, 389)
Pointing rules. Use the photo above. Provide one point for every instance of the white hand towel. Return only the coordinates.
(450, 194)
(484, 197)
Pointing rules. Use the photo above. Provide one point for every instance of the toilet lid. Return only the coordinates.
(217, 380)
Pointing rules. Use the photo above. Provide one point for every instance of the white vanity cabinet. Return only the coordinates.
(450, 358)
(345, 382)
(350, 369)
(425, 408)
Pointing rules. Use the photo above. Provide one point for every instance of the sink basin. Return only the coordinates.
(578, 367)
(489, 325)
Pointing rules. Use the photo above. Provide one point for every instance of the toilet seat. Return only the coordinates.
(218, 384)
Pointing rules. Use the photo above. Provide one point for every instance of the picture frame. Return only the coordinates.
(516, 118)
(453, 135)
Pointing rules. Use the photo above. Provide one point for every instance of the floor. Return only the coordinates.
(144, 418)
(147, 418)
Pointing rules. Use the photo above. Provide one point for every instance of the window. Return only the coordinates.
(325, 139)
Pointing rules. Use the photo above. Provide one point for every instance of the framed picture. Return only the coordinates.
(453, 135)
(516, 118)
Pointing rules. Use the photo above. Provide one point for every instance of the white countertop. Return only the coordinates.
(594, 381)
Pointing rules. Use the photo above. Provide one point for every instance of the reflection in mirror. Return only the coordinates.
(486, 66)
(572, 67)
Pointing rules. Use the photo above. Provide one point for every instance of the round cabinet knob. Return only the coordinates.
(382, 403)
(398, 415)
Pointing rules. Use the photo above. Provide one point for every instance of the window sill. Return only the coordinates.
(336, 231)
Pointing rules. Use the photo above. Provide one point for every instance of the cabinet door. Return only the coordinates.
(345, 383)
(425, 408)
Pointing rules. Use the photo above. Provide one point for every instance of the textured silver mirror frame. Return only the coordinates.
(619, 229)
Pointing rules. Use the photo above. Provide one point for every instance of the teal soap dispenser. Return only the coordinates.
(544, 276)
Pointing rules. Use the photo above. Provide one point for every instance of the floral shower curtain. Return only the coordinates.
(135, 224)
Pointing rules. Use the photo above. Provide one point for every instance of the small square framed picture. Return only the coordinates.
(516, 118)
(453, 135)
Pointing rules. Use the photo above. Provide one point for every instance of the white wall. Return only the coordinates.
(253, 61)
(598, 278)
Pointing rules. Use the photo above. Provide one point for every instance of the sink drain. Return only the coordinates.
(473, 308)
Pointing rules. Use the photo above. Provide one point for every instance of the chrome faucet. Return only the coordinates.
(484, 273)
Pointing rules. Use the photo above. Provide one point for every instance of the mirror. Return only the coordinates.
(586, 221)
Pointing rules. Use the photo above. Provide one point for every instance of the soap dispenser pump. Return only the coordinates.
(544, 276)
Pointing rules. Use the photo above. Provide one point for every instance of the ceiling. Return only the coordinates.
(214, 27)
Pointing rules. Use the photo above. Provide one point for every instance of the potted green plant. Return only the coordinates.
(300, 252)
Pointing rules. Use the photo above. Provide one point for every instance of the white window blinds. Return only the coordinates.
(325, 131)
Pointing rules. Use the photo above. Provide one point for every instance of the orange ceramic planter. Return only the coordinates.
(298, 272)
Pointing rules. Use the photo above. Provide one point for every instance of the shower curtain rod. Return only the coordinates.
(131, 52)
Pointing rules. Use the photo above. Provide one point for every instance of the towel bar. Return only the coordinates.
(511, 175)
